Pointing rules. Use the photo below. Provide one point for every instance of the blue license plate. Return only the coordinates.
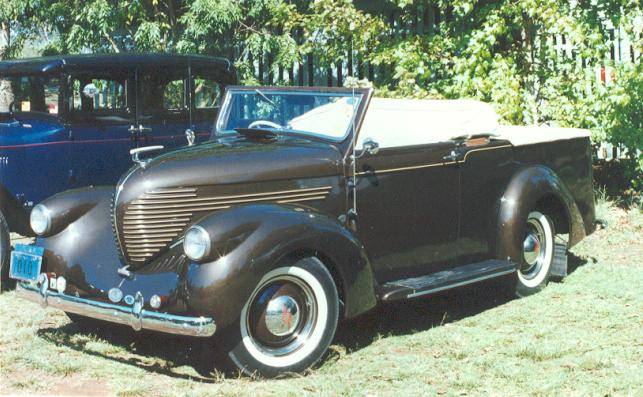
(26, 261)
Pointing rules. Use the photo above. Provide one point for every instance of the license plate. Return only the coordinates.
(26, 261)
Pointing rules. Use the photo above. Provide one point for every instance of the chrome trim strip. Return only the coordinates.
(159, 218)
(414, 167)
(173, 190)
(145, 221)
(299, 200)
(137, 228)
(241, 196)
(134, 316)
(417, 167)
(461, 283)
(206, 201)
(482, 150)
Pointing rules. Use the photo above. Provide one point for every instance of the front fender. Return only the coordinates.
(68, 206)
(249, 241)
(525, 189)
(15, 213)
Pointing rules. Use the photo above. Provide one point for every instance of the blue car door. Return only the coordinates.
(162, 110)
(101, 120)
(34, 144)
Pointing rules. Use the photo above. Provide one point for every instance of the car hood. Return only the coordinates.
(155, 203)
(233, 161)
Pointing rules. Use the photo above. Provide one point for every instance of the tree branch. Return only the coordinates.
(112, 42)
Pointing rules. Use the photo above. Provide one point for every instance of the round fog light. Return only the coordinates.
(61, 285)
(115, 295)
(155, 301)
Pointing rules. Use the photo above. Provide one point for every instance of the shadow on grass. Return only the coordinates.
(421, 314)
(163, 354)
(154, 352)
(574, 262)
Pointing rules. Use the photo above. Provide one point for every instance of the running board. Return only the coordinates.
(446, 279)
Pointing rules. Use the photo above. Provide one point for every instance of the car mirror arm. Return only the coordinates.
(369, 147)
(135, 153)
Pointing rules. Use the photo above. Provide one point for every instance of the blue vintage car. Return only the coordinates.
(71, 121)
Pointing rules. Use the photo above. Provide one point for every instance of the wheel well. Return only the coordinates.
(328, 263)
(554, 208)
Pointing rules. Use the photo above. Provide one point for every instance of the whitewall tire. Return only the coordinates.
(287, 323)
(537, 254)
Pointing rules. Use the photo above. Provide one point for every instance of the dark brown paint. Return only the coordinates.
(418, 212)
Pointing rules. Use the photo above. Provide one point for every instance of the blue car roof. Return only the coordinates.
(71, 63)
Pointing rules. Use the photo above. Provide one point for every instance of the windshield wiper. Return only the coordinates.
(265, 98)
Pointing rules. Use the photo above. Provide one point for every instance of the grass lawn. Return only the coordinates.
(583, 336)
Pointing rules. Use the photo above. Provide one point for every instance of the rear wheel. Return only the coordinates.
(537, 254)
(5, 248)
(287, 323)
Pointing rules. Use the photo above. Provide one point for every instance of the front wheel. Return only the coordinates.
(537, 254)
(288, 322)
(5, 247)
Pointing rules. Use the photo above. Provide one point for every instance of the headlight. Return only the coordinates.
(196, 243)
(40, 219)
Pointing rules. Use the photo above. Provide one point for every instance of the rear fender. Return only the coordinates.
(249, 241)
(528, 186)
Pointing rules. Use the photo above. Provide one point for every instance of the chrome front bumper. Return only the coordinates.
(135, 316)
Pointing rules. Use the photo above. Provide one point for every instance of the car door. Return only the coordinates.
(486, 166)
(100, 117)
(34, 145)
(407, 209)
(163, 113)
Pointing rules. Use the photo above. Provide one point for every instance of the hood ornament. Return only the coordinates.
(135, 153)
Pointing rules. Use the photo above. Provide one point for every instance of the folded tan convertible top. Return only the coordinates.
(407, 122)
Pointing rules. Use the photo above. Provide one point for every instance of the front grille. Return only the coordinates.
(157, 218)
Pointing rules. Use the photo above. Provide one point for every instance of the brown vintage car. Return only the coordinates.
(306, 207)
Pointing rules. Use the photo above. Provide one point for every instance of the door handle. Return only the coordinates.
(453, 156)
(140, 129)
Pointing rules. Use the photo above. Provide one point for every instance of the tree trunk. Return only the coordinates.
(6, 93)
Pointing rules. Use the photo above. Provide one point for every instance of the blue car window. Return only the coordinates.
(162, 93)
(98, 95)
(31, 94)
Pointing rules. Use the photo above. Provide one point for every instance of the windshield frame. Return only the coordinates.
(357, 119)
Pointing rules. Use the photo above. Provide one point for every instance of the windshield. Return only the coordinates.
(326, 115)
(29, 93)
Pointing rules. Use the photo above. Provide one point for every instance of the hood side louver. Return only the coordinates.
(156, 219)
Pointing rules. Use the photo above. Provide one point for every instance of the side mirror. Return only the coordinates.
(190, 136)
(370, 146)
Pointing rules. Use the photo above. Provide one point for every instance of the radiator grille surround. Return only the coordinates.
(156, 219)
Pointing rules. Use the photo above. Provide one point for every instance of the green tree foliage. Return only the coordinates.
(503, 52)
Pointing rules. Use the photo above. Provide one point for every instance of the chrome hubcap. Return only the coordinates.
(534, 248)
(282, 315)
(531, 249)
